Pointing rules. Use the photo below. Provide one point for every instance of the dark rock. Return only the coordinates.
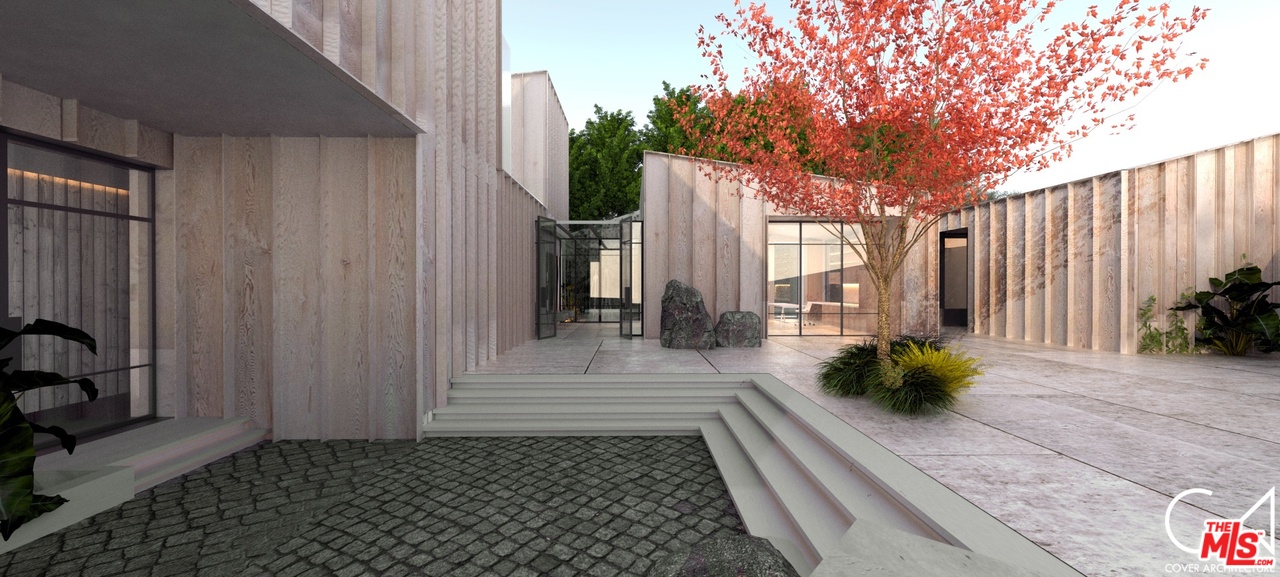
(685, 321)
(738, 329)
(725, 555)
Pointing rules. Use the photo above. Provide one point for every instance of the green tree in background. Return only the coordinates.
(664, 133)
(604, 167)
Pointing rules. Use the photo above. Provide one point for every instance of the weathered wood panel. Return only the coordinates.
(171, 382)
(999, 292)
(198, 166)
(1149, 241)
(981, 248)
(345, 286)
(247, 317)
(680, 190)
(391, 213)
(1206, 204)
(1015, 267)
(752, 257)
(1125, 288)
(297, 261)
(1080, 264)
(702, 222)
(31, 111)
(728, 245)
(1033, 270)
(1106, 246)
(655, 210)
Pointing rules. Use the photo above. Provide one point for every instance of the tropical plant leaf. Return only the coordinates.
(67, 439)
(19, 381)
(1243, 275)
(17, 462)
(40, 504)
(86, 385)
(50, 328)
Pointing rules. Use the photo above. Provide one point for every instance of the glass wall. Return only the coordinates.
(591, 253)
(817, 285)
(80, 234)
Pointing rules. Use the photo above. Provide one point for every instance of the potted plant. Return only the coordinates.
(18, 501)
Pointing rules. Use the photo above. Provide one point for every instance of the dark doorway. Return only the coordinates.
(953, 290)
(548, 270)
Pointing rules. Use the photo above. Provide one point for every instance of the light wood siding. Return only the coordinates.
(391, 264)
(1111, 241)
(35, 112)
(540, 141)
(324, 287)
(713, 236)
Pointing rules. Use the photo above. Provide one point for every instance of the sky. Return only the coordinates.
(617, 53)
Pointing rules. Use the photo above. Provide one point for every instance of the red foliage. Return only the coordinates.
(917, 106)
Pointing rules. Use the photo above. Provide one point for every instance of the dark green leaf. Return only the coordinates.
(47, 327)
(89, 389)
(17, 460)
(1245, 275)
(19, 381)
(67, 439)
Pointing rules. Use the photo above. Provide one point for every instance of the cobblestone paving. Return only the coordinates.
(464, 506)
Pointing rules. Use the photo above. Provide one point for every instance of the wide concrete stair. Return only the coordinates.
(798, 475)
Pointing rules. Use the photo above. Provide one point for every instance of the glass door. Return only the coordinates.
(548, 263)
(79, 233)
(624, 284)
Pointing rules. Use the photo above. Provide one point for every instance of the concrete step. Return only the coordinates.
(761, 512)
(797, 474)
(597, 382)
(806, 503)
(537, 408)
(580, 395)
(518, 427)
(852, 492)
(161, 451)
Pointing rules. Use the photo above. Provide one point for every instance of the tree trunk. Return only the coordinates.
(884, 286)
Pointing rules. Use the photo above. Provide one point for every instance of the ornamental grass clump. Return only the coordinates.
(851, 372)
(923, 377)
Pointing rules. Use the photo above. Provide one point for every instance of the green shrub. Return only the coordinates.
(850, 371)
(1236, 315)
(1178, 339)
(1150, 339)
(955, 370)
(918, 391)
(924, 376)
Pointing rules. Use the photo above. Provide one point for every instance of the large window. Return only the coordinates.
(817, 285)
(79, 230)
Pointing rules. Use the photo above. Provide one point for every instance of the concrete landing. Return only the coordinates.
(1080, 451)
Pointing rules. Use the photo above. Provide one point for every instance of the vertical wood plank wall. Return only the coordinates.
(712, 236)
(1075, 261)
(347, 279)
(328, 287)
(540, 141)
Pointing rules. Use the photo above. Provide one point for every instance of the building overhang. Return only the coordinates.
(192, 67)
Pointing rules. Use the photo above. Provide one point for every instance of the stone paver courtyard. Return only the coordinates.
(1079, 451)
(502, 506)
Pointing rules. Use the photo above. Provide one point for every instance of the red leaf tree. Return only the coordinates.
(917, 107)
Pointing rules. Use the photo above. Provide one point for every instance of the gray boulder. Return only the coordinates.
(685, 321)
(725, 555)
(738, 329)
